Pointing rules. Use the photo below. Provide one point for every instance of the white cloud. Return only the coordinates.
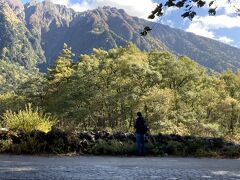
(139, 8)
(79, 7)
(229, 7)
(170, 10)
(62, 2)
(225, 5)
(217, 22)
(225, 39)
(204, 26)
(199, 28)
(168, 22)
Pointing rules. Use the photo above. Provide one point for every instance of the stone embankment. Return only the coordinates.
(119, 143)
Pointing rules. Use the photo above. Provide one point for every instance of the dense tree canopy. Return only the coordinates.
(106, 89)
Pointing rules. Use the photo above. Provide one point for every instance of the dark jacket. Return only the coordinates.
(140, 125)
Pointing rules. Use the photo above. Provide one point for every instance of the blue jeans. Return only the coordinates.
(140, 144)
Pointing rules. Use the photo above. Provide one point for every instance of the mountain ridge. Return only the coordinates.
(108, 27)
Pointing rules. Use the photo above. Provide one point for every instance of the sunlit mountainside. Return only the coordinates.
(32, 33)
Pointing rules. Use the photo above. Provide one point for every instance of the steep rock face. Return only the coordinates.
(48, 26)
(127, 27)
(47, 15)
(17, 44)
(109, 27)
(17, 7)
(101, 28)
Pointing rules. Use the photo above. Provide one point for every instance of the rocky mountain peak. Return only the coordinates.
(46, 14)
(51, 25)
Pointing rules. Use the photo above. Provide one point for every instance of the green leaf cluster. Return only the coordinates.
(28, 120)
(104, 91)
(176, 95)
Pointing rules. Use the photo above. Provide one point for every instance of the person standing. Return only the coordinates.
(141, 130)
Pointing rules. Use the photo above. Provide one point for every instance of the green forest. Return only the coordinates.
(105, 90)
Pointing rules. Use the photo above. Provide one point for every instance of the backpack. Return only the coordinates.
(144, 128)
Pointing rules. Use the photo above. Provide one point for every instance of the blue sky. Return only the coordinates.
(224, 27)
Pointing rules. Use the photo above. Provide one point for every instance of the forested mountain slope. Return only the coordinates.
(47, 26)
(101, 28)
(110, 27)
(17, 43)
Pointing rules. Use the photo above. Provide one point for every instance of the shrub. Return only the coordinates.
(5, 145)
(231, 151)
(113, 147)
(28, 120)
(175, 148)
(11, 101)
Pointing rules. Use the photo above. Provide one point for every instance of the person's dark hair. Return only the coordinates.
(139, 114)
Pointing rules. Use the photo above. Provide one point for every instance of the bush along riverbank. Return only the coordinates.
(103, 143)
